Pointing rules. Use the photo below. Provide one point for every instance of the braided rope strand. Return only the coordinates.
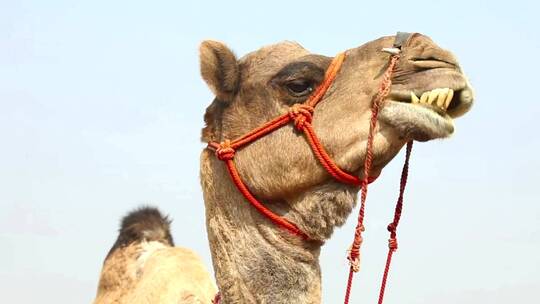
(392, 227)
(354, 251)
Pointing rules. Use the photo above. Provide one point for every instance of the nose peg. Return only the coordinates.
(391, 51)
(400, 39)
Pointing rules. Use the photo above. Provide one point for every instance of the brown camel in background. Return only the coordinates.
(254, 260)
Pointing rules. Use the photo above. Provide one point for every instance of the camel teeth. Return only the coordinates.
(442, 97)
(424, 97)
(448, 98)
(414, 98)
(433, 96)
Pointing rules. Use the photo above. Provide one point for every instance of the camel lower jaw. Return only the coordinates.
(416, 121)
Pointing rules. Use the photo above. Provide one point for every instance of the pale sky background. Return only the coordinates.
(101, 107)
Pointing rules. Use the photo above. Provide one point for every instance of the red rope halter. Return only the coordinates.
(301, 115)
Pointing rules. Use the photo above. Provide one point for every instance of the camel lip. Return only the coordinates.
(432, 63)
(423, 107)
(418, 122)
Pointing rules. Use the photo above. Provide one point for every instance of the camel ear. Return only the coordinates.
(219, 69)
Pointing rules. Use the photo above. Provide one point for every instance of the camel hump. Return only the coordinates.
(144, 224)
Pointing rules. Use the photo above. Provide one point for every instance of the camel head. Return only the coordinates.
(429, 90)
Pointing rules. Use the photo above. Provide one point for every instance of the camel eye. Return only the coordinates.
(299, 87)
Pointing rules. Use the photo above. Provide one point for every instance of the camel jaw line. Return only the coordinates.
(418, 122)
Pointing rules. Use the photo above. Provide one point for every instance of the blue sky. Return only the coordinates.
(101, 110)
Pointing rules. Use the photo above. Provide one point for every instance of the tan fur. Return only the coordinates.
(166, 275)
(143, 267)
(219, 69)
(118, 275)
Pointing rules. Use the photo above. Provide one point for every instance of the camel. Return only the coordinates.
(143, 266)
(254, 260)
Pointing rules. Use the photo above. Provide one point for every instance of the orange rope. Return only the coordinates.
(329, 76)
(261, 131)
(325, 159)
(260, 207)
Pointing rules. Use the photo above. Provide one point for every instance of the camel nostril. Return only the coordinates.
(461, 102)
(467, 95)
(432, 62)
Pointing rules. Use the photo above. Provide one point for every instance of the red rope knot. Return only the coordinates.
(392, 228)
(225, 151)
(392, 244)
(217, 298)
(301, 114)
(353, 254)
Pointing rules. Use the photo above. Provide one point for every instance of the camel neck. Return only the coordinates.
(255, 261)
(255, 270)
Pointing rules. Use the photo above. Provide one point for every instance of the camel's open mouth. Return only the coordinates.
(443, 101)
(426, 114)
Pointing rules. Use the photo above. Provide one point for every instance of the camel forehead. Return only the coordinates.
(268, 60)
